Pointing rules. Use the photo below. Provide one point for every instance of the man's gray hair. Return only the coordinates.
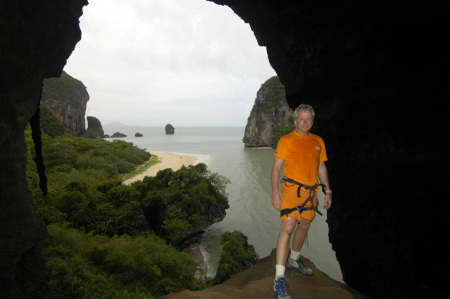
(304, 107)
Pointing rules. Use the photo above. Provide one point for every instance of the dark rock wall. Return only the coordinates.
(375, 75)
(36, 39)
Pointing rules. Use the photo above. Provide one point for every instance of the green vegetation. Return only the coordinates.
(280, 132)
(50, 124)
(81, 265)
(64, 88)
(179, 204)
(109, 240)
(143, 168)
(237, 255)
(277, 93)
(118, 135)
(67, 158)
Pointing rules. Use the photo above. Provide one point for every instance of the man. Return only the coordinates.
(304, 156)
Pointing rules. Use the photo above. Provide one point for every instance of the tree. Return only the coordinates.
(179, 204)
(237, 255)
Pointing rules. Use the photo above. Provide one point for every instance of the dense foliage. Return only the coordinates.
(70, 158)
(237, 255)
(83, 265)
(50, 124)
(280, 132)
(64, 88)
(106, 207)
(110, 240)
(276, 93)
(179, 204)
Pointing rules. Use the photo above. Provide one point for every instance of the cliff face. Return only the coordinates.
(67, 97)
(269, 111)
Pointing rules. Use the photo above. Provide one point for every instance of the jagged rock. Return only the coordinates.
(169, 129)
(269, 112)
(95, 129)
(118, 135)
(67, 97)
(138, 135)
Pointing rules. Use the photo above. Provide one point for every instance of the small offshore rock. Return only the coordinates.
(169, 129)
(118, 135)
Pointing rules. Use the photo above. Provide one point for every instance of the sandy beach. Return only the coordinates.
(167, 160)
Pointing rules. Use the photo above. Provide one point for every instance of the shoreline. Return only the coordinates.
(166, 160)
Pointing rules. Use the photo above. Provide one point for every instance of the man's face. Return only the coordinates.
(304, 122)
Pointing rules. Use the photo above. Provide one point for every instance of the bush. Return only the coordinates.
(67, 158)
(179, 204)
(82, 265)
(280, 132)
(237, 255)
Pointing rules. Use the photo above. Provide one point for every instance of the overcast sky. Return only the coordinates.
(154, 62)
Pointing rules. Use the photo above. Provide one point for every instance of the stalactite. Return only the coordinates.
(35, 123)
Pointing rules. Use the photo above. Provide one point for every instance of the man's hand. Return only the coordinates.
(276, 202)
(327, 203)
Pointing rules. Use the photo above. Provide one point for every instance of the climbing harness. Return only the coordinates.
(312, 192)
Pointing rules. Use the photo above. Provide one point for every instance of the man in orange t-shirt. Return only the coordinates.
(304, 156)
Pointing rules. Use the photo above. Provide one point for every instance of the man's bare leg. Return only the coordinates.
(300, 234)
(294, 262)
(287, 228)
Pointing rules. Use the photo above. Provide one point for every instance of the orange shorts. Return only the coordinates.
(289, 199)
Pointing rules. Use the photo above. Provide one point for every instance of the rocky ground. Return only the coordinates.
(257, 282)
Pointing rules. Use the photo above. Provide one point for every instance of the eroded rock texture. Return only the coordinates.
(374, 74)
(269, 111)
(67, 97)
(36, 39)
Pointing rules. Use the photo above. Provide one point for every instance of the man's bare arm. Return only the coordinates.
(323, 176)
(276, 169)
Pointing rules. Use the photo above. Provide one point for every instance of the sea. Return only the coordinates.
(249, 191)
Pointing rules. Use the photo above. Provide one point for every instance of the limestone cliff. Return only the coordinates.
(67, 97)
(269, 112)
(94, 129)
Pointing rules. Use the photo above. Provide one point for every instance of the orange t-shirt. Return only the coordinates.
(302, 156)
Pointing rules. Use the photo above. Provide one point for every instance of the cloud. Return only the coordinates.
(151, 62)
